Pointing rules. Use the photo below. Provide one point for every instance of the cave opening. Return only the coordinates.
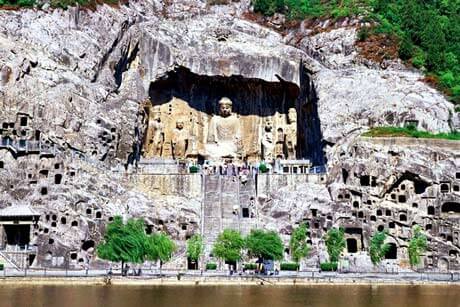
(451, 207)
(392, 252)
(352, 245)
(17, 234)
(188, 114)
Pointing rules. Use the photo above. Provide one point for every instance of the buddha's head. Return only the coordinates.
(225, 107)
(180, 124)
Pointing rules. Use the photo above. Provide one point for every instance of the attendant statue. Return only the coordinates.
(291, 134)
(155, 135)
(180, 141)
(268, 143)
(224, 133)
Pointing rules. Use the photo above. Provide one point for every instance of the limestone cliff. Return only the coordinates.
(76, 82)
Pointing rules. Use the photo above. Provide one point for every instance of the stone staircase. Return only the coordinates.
(222, 203)
(212, 213)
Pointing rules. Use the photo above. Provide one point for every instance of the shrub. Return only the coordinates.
(328, 266)
(193, 169)
(1, 266)
(263, 168)
(447, 79)
(419, 59)
(211, 266)
(363, 34)
(250, 266)
(289, 266)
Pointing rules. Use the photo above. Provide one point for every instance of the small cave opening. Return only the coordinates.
(57, 179)
(430, 210)
(44, 191)
(183, 103)
(403, 217)
(451, 208)
(87, 245)
(391, 225)
(352, 245)
(74, 224)
(245, 212)
(73, 256)
(98, 214)
(445, 188)
(392, 252)
(63, 220)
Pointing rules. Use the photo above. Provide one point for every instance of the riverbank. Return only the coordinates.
(221, 281)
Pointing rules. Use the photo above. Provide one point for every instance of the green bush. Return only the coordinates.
(250, 266)
(1, 266)
(211, 266)
(193, 169)
(289, 266)
(328, 266)
(263, 168)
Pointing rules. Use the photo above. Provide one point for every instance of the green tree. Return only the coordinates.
(298, 243)
(264, 244)
(228, 245)
(335, 243)
(378, 247)
(160, 247)
(195, 247)
(417, 245)
(124, 242)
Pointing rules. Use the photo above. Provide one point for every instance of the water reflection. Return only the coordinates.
(230, 296)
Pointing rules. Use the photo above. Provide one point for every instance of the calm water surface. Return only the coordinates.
(230, 296)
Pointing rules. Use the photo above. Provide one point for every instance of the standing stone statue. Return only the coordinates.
(155, 135)
(224, 133)
(180, 141)
(280, 144)
(291, 134)
(268, 143)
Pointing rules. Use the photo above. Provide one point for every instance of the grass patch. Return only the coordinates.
(410, 132)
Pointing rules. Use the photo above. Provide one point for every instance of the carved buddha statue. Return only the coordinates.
(224, 133)
(291, 134)
(180, 140)
(268, 143)
(155, 134)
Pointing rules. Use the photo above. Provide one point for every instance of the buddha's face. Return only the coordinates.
(179, 124)
(225, 109)
(268, 125)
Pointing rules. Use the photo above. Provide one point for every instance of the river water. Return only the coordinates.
(230, 296)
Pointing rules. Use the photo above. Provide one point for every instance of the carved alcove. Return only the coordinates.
(264, 110)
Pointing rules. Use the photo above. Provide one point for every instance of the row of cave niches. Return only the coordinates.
(43, 174)
(407, 202)
(52, 224)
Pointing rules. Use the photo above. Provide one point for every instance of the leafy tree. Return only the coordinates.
(124, 243)
(195, 247)
(298, 243)
(417, 245)
(378, 247)
(228, 245)
(264, 244)
(335, 243)
(159, 247)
